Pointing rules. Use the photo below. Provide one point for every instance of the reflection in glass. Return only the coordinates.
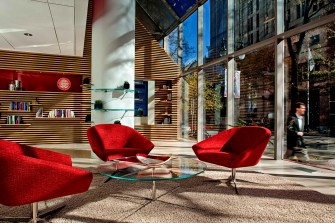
(189, 106)
(255, 106)
(255, 21)
(310, 79)
(215, 99)
(215, 29)
(302, 12)
(172, 49)
(189, 42)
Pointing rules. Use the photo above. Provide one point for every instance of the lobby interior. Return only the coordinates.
(195, 68)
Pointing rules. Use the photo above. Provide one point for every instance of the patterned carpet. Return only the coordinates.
(204, 198)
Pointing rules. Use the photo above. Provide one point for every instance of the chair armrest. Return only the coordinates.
(26, 179)
(47, 155)
(215, 142)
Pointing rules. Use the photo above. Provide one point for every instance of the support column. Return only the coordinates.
(113, 60)
(231, 63)
(201, 77)
(279, 85)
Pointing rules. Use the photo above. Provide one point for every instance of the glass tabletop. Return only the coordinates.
(131, 168)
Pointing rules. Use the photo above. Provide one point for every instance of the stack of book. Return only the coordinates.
(14, 119)
(61, 113)
(19, 105)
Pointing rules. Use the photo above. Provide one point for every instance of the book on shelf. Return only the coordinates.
(14, 120)
(19, 106)
(61, 113)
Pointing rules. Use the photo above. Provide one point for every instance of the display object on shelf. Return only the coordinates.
(39, 113)
(14, 119)
(117, 122)
(126, 85)
(167, 120)
(98, 104)
(61, 113)
(139, 112)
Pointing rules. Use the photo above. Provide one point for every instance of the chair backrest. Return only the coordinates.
(16, 148)
(249, 143)
(109, 136)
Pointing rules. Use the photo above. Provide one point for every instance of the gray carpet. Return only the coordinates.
(261, 198)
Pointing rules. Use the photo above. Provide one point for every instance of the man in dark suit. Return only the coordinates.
(296, 149)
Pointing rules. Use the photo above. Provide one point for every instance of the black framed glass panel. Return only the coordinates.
(310, 75)
(189, 42)
(255, 21)
(214, 30)
(302, 12)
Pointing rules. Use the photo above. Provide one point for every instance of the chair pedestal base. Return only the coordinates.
(35, 217)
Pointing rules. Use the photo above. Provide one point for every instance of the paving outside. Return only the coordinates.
(321, 150)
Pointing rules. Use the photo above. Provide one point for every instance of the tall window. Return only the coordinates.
(215, 29)
(189, 46)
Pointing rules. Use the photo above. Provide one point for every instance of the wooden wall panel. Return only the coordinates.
(47, 130)
(153, 63)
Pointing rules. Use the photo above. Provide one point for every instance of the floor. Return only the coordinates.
(315, 178)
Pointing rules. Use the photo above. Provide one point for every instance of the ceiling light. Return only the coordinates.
(28, 34)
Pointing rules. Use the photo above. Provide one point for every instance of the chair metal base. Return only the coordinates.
(35, 217)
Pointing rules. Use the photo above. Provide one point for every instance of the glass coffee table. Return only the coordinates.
(152, 169)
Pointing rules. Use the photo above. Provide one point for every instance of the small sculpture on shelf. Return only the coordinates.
(126, 85)
(117, 122)
(39, 113)
(139, 112)
(98, 104)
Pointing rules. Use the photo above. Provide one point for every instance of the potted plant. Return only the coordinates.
(139, 112)
(117, 122)
(126, 85)
(98, 104)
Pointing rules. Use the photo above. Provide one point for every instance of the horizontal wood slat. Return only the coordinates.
(153, 63)
(47, 130)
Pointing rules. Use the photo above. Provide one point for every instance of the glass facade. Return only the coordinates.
(215, 29)
(215, 99)
(172, 43)
(254, 21)
(309, 58)
(253, 73)
(189, 106)
(189, 44)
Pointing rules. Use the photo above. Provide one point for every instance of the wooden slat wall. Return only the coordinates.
(47, 130)
(153, 63)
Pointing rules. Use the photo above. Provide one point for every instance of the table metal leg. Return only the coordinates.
(153, 194)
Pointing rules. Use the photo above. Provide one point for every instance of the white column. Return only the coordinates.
(201, 77)
(279, 85)
(231, 63)
(113, 59)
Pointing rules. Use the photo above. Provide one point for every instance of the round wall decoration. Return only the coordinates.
(64, 83)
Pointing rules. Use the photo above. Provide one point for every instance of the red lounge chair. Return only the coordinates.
(113, 141)
(234, 148)
(29, 175)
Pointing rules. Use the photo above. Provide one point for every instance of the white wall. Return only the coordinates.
(113, 59)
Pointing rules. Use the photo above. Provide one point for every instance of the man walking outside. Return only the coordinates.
(296, 149)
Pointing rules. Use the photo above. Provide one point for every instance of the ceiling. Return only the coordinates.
(58, 26)
(161, 17)
(43, 26)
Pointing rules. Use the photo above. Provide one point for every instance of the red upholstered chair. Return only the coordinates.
(29, 175)
(234, 148)
(113, 141)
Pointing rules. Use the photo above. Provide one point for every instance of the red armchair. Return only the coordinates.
(113, 141)
(29, 174)
(234, 148)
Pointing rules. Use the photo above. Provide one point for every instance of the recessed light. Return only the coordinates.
(28, 34)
